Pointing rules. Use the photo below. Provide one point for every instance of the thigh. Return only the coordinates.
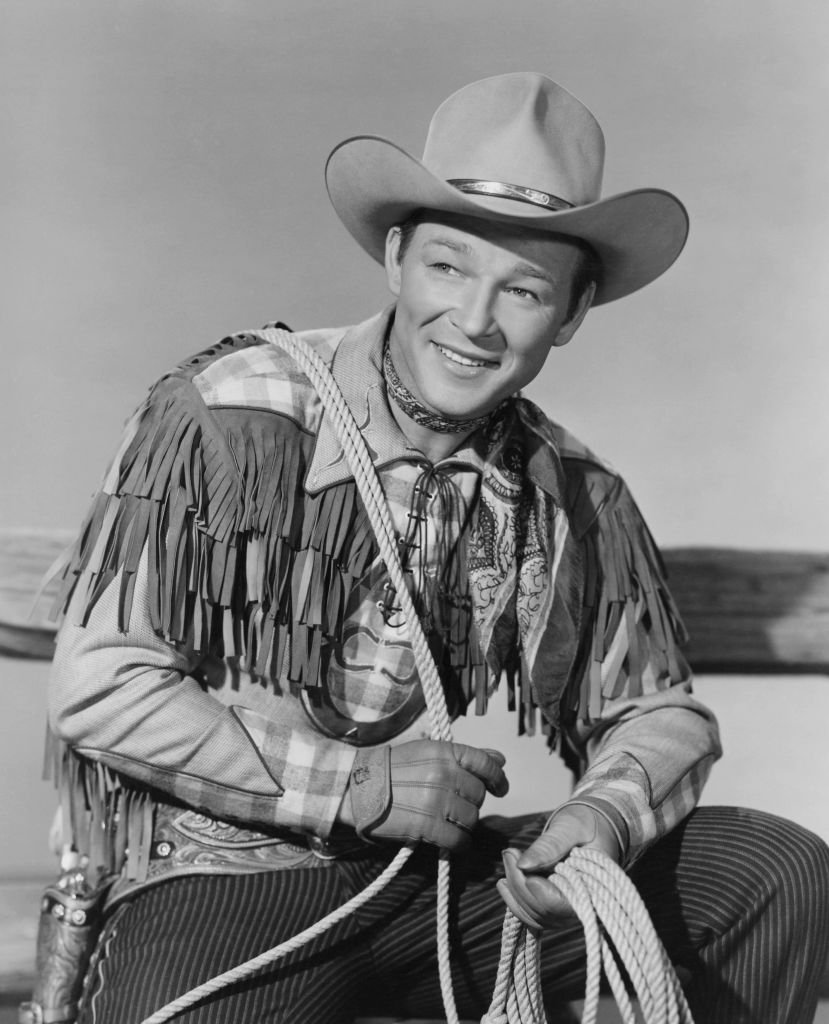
(741, 899)
(701, 878)
(183, 932)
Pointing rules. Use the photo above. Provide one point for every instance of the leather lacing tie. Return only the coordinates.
(430, 547)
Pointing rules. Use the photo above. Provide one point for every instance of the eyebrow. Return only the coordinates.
(528, 270)
(450, 243)
(520, 269)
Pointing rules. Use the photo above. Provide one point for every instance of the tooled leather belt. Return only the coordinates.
(186, 842)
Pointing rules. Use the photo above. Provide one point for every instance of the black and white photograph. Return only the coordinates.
(414, 532)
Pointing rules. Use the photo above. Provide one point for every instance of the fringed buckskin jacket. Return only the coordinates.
(230, 635)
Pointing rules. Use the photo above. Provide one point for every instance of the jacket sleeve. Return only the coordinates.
(144, 707)
(643, 743)
(196, 553)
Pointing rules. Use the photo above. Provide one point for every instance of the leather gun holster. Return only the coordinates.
(71, 914)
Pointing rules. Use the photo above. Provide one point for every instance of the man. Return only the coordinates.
(234, 684)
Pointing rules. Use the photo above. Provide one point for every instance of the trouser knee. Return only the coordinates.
(802, 868)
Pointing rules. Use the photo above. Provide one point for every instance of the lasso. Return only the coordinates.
(599, 892)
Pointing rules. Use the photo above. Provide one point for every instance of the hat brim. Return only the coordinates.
(374, 184)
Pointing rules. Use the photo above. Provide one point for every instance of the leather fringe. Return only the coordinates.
(626, 591)
(109, 824)
(242, 562)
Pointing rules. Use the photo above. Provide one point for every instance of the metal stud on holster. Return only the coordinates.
(70, 922)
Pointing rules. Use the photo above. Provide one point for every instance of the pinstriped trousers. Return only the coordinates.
(739, 898)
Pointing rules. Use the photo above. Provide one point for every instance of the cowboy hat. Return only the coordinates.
(521, 150)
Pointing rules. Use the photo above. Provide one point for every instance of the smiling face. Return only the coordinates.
(479, 307)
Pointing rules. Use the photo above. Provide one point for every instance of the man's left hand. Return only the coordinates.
(527, 889)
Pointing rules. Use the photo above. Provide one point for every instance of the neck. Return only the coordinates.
(433, 433)
(434, 446)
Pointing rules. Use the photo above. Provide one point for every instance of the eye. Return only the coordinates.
(523, 293)
(443, 268)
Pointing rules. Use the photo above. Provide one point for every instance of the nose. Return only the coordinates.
(474, 315)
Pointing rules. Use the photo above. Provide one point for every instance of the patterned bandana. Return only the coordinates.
(407, 403)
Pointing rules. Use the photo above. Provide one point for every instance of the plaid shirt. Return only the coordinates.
(216, 738)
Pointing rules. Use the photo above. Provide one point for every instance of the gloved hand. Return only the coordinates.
(423, 790)
(527, 890)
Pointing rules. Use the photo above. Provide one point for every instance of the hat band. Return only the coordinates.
(503, 190)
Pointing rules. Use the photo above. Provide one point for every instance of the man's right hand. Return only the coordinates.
(423, 790)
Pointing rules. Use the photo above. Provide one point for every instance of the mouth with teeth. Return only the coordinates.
(459, 360)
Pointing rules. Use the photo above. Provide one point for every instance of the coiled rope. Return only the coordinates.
(591, 882)
(618, 934)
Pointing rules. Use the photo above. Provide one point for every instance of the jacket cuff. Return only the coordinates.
(611, 815)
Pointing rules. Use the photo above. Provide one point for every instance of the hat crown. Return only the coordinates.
(521, 129)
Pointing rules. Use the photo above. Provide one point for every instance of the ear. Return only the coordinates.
(392, 260)
(569, 327)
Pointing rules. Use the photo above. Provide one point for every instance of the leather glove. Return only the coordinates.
(527, 890)
(423, 790)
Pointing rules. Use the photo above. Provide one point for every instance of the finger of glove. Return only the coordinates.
(422, 811)
(461, 811)
(412, 824)
(448, 835)
(481, 763)
(548, 850)
(519, 911)
(455, 818)
(435, 793)
(426, 762)
(540, 899)
(469, 788)
(437, 797)
(437, 826)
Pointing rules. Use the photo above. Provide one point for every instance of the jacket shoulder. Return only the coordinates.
(250, 371)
